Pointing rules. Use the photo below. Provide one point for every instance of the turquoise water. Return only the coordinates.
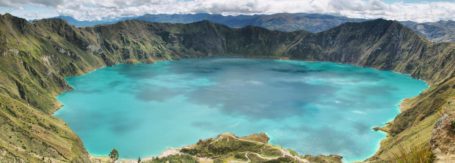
(310, 107)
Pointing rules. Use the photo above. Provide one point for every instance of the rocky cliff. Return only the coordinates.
(36, 56)
(440, 31)
(443, 135)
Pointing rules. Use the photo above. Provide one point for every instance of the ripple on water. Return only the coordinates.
(311, 107)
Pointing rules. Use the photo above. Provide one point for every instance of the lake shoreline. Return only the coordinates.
(276, 58)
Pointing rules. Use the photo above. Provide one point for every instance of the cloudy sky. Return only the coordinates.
(415, 10)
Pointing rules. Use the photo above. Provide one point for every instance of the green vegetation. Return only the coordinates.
(416, 154)
(114, 155)
(36, 56)
(452, 125)
(416, 122)
(227, 147)
(181, 158)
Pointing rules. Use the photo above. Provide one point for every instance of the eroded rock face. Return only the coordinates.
(36, 56)
(443, 136)
(259, 137)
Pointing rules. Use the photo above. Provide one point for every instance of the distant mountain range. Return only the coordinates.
(37, 56)
(442, 31)
(282, 22)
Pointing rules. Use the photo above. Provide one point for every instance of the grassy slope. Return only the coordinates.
(36, 56)
(230, 148)
(417, 120)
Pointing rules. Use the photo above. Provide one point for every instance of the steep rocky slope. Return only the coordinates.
(281, 21)
(443, 135)
(36, 56)
(440, 31)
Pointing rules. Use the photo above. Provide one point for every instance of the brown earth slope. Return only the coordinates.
(36, 56)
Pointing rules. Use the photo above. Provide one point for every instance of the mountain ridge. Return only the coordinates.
(441, 31)
(37, 56)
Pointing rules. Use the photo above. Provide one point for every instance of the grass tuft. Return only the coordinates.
(413, 154)
(452, 126)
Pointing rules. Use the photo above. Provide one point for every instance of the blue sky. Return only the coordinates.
(414, 1)
(30, 11)
(415, 10)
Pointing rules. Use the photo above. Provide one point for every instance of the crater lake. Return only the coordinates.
(310, 107)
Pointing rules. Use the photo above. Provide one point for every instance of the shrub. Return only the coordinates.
(114, 155)
(175, 159)
(452, 126)
(414, 154)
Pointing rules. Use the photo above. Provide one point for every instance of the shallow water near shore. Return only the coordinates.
(310, 107)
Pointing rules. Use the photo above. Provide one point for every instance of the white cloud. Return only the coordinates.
(30, 11)
(20, 3)
(102, 9)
